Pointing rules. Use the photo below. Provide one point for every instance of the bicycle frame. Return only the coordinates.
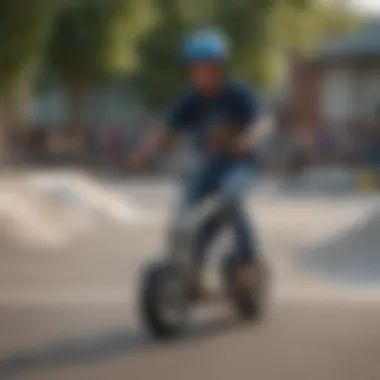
(184, 229)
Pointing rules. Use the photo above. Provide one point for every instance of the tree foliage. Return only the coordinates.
(24, 28)
(92, 39)
(304, 30)
(160, 70)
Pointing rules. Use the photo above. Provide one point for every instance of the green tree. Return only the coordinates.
(160, 71)
(24, 28)
(248, 25)
(93, 39)
(304, 30)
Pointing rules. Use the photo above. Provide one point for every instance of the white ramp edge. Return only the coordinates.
(29, 220)
(25, 225)
(87, 195)
(351, 257)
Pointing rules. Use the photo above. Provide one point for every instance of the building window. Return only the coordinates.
(368, 98)
(337, 96)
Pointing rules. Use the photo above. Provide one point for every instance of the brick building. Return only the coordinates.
(340, 87)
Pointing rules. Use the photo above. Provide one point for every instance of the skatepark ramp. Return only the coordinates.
(45, 210)
(30, 221)
(351, 258)
(333, 180)
(83, 192)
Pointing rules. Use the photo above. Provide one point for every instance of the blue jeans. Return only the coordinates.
(232, 182)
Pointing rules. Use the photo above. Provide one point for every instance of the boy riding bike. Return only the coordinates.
(220, 114)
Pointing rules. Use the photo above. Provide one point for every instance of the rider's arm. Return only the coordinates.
(246, 113)
(245, 117)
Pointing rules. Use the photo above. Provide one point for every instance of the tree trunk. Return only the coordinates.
(13, 122)
(76, 92)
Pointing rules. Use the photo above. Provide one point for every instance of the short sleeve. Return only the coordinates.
(181, 115)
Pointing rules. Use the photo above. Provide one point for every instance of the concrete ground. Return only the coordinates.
(70, 314)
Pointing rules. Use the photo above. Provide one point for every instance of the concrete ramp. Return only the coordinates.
(28, 221)
(351, 258)
(45, 210)
(85, 194)
(333, 180)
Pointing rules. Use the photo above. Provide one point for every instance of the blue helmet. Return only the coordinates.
(206, 46)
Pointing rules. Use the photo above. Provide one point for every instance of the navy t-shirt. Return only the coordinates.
(197, 115)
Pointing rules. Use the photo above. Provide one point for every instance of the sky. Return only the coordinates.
(368, 6)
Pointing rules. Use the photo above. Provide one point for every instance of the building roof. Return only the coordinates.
(363, 43)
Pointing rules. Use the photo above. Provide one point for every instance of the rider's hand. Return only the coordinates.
(221, 137)
(138, 161)
(241, 145)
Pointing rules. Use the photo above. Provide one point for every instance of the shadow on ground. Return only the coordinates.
(87, 350)
(351, 258)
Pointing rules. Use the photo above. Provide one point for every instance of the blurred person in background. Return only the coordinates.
(220, 114)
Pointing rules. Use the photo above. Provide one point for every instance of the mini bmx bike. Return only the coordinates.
(165, 303)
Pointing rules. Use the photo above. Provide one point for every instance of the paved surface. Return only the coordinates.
(70, 314)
